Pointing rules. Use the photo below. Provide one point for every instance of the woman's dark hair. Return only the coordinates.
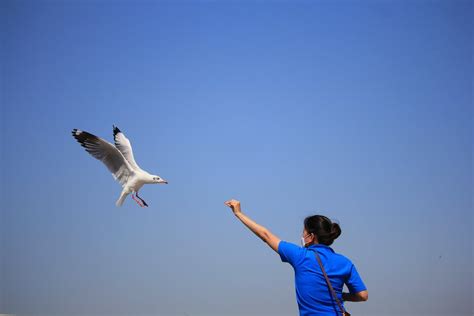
(325, 230)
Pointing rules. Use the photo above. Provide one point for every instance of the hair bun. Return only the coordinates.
(335, 230)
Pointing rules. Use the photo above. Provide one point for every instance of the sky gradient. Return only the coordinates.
(360, 111)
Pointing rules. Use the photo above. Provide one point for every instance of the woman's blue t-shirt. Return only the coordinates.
(312, 293)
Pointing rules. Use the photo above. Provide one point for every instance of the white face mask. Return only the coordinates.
(302, 242)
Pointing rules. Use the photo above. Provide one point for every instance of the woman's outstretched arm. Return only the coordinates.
(257, 229)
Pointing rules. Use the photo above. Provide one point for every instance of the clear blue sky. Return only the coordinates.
(361, 111)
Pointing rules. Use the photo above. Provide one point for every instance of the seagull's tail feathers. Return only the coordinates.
(122, 197)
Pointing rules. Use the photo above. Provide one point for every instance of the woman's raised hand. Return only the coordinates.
(234, 205)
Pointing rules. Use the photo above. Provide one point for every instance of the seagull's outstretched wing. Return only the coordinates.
(105, 152)
(123, 144)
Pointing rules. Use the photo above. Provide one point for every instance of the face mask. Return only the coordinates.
(302, 242)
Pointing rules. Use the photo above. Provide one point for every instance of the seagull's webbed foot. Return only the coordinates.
(138, 202)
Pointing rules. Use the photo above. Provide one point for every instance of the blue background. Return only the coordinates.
(360, 110)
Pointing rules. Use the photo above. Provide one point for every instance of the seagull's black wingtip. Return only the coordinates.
(116, 130)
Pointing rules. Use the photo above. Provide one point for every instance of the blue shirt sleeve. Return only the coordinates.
(290, 253)
(354, 282)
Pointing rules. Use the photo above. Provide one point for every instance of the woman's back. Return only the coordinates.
(312, 292)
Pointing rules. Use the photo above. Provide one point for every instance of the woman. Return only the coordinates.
(312, 292)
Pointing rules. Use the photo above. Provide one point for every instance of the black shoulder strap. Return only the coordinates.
(329, 282)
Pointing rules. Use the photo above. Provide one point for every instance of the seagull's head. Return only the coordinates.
(158, 179)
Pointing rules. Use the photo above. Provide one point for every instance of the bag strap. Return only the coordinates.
(329, 282)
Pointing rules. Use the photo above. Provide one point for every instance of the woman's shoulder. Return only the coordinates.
(290, 252)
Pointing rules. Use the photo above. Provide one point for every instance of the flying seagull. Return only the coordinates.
(120, 162)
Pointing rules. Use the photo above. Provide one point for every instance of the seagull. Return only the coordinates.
(120, 162)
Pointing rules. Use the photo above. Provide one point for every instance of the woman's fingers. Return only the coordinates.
(232, 203)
